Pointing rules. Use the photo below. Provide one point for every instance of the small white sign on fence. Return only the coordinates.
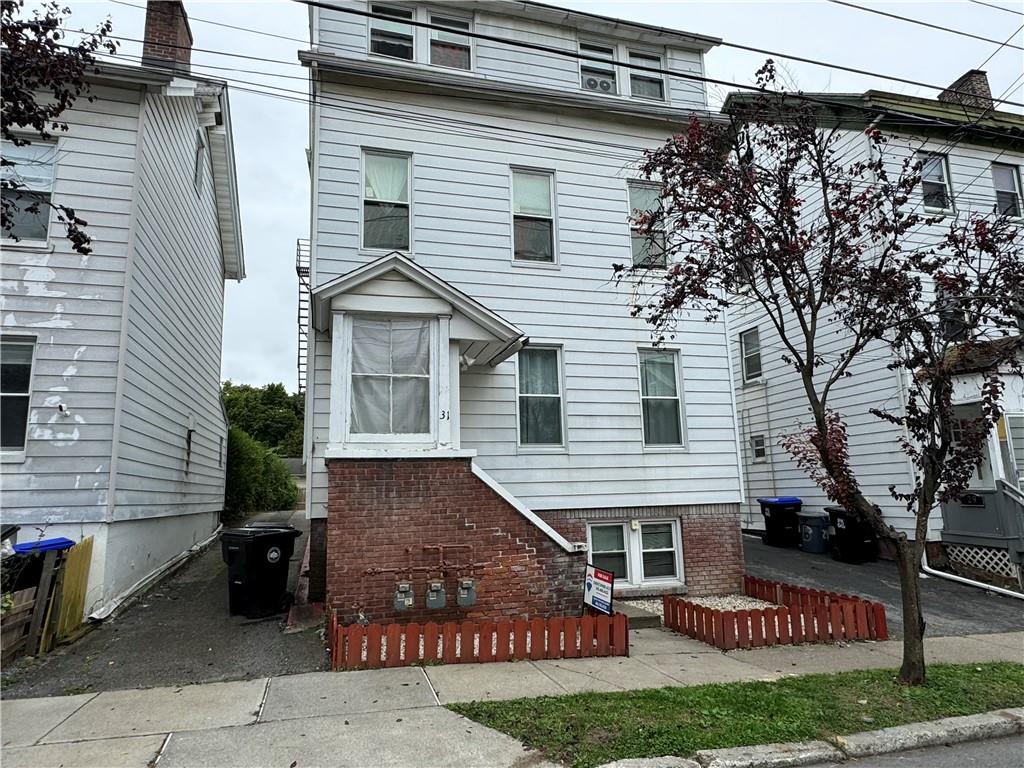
(597, 589)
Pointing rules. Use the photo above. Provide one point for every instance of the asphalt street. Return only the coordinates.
(994, 753)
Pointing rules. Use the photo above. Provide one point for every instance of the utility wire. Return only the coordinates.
(723, 43)
(997, 7)
(910, 20)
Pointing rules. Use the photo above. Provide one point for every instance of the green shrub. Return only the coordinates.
(257, 479)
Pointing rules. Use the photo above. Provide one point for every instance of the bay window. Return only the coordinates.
(386, 220)
(659, 395)
(533, 221)
(390, 377)
(540, 397)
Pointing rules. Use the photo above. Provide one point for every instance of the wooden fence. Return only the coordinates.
(469, 642)
(802, 616)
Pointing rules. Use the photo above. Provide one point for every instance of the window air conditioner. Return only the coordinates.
(602, 84)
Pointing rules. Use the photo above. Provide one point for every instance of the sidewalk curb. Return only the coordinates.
(837, 749)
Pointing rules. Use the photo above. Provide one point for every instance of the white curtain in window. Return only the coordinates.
(371, 346)
(658, 374)
(410, 347)
(538, 372)
(387, 178)
(390, 377)
(532, 194)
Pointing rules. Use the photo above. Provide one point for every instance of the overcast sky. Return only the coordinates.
(271, 134)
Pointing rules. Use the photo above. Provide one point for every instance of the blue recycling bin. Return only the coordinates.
(781, 527)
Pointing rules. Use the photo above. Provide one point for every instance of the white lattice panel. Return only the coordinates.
(985, 559)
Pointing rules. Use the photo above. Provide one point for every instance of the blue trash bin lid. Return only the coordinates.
(780, 500)
(44, 545)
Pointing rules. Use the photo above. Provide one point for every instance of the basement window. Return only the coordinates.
(638, 553)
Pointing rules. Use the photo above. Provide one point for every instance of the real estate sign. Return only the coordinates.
(597, 589)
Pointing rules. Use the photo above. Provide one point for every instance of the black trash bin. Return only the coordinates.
(814, 527)
(851, 539)
(257, 558)
(781, 528)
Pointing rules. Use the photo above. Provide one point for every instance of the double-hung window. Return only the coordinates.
(935, 185)
(759, 448)
(386, 201)
(29, 171)
(750, 354)
(659, 395)
(450, 49)
(15, 389)
(597, 70)
(1006, 180)
(391, 369)
(644, 83)
(392, 36)
(540, 397)
(648, 250)
(533, 220)
(637, 553)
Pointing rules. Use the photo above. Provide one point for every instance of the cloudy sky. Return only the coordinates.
(271, 132)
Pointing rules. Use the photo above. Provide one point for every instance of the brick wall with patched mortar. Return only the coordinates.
(711, 538)
(385, 513)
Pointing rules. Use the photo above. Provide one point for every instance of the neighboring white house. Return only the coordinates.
(975, 164)
(112, 421)
(470, 196)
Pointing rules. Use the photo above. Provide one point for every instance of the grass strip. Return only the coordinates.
(589, 729)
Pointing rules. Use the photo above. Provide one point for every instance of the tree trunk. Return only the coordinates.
(908, 560)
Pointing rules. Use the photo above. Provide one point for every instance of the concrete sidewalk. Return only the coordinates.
(393, 717)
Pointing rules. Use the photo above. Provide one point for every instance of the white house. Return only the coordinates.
(472, 175)
(112, 421)
(972, 164)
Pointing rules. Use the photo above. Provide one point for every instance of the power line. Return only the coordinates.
(723, 43)
(910, 20)
(997, 7)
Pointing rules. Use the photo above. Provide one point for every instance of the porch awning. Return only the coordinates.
(395, 285)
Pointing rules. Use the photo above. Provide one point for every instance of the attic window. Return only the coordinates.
(597, 71)
(392, 38)
(450, 49)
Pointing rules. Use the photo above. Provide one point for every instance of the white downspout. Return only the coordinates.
(961, 580)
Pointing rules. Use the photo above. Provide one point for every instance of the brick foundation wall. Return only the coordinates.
(385, 513)
(711, 539)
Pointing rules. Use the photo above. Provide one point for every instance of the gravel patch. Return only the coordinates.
(723, 603)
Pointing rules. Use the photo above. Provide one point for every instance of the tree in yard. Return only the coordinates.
(269, 414)
(764, 209)
(42, 77)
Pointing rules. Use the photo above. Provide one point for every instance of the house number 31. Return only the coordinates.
(445, 415)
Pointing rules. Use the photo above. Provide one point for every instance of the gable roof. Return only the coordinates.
(512, 337)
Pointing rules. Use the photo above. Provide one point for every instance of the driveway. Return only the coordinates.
(950, 609)
(176, 634)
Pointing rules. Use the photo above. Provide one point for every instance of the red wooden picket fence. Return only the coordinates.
(802, 616)
(472, 642)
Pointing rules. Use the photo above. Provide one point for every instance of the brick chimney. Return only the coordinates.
(969, 90)
(168, 39)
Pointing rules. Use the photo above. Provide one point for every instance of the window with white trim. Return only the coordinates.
(648, 251)
(935, 186)
(30, 171)
(540, 396)
(386, 219)
(533, 218)
(450, 49)
(659, 397)
(597, 70)
(392, 37)
(1006, 181)
(15, 390)
(750, 353)
(644, 84)
(759, 448)
(637, 552)
(390, 377)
